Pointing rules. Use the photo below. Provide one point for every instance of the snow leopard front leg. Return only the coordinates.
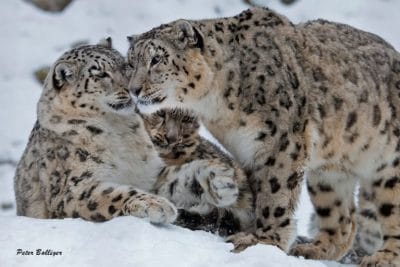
(278, 174)
(199, 185)
(85, 193)
(88, 192)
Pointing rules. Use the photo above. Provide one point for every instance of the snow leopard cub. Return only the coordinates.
(175, 134)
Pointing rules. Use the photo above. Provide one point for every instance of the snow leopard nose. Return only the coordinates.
(171, 139)
(136, 91)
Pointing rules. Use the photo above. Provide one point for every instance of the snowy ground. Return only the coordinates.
(31, 38)
(127, 241)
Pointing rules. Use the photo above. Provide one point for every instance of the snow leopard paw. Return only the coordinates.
(157, 209)
(219, 186)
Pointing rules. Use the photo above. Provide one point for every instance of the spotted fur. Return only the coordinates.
(89, 154)
(175, 134)
(368, 238)
(318, 98)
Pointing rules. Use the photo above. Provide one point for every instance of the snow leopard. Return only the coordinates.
(176, 136)
(89, 155)
(317, 99)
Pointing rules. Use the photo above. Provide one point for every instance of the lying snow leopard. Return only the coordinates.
(284, 99)
(89, 154)
(175, 135)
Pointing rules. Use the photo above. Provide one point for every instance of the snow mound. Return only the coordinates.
(126, 241)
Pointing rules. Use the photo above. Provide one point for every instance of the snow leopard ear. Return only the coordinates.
(187, 35)
(64, 73)
(132, 39)
(106, 42)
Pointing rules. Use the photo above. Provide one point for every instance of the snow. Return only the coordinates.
(127, 241)
(31, 38)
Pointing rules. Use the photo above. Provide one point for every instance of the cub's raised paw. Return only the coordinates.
(157, 209)
(241, 241)
(219, 185)
(224, 190)
(382, 258)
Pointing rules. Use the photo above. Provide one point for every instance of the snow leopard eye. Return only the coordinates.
(103, 74)
(99, 73)
(155, 60)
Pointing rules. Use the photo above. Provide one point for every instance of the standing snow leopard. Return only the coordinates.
(89, 154)
(319, 98)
